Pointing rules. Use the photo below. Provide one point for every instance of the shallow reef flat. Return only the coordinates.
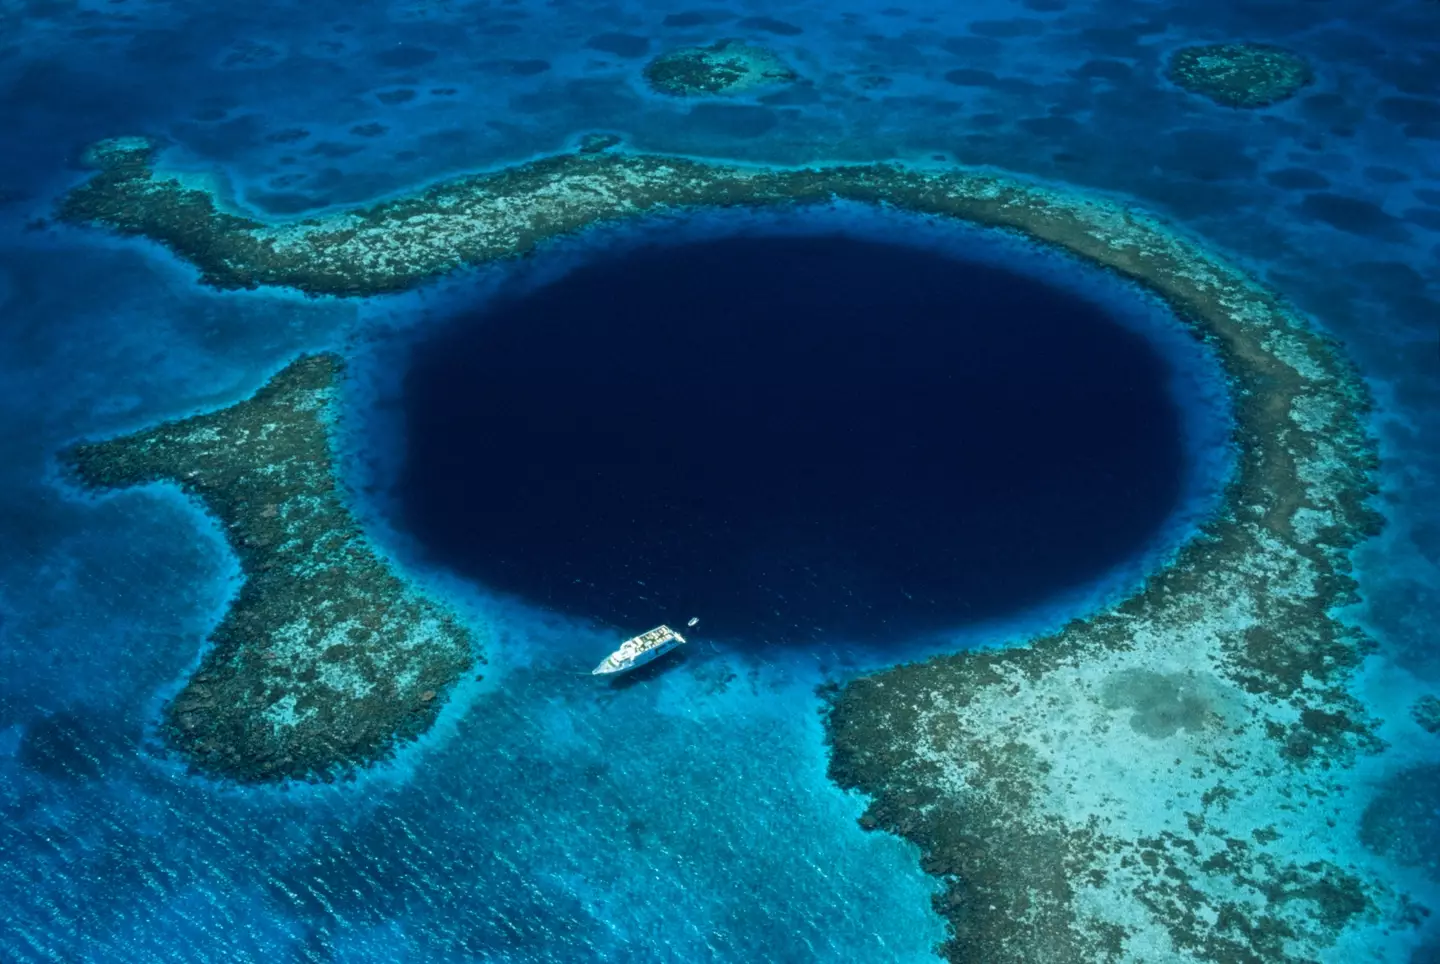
(325, 660)
(1163, 781)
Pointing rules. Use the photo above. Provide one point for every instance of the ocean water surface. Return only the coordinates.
(843, 437)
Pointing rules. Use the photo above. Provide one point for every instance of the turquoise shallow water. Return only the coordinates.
(514, 833)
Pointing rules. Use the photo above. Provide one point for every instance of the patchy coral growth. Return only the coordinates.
(1239, 75)
(598, 143)
(1427, 713)
(324, 660)
(724, 67)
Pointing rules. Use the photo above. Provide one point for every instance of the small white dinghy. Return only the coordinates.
(639, 650)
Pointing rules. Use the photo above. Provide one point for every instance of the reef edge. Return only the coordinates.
(325, 660)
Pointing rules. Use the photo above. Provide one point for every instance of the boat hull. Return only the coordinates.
(639, 650)
(648, 656)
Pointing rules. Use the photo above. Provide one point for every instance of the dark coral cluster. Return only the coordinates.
(724, 67)
(325, 660)
(598, 143)
(1427, 713)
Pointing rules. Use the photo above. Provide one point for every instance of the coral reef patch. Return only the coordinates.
(596, 143)
(724, 67)
(1427, 713)
(325, 660)
(1245, 75)
(1155, 782)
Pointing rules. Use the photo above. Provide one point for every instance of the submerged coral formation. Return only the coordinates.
(1157, 782)
(325, 660)
(119, 152)
(597, 143)
(724, 67)
(1427, 713)
(1239, 75)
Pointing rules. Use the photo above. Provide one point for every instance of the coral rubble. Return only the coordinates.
(325, 660)
(724, 67)
(1156, 782)
(1239, 75)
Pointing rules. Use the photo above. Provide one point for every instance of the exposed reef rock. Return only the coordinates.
(324, 660)
(725, 67)
(1158, 782)
(1239, 75)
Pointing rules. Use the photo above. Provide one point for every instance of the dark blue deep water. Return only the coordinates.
(1058, 436)
(798, 438)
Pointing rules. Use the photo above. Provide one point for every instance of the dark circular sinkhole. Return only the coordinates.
(789, 437)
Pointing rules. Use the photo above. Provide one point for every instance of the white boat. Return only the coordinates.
(639, 650)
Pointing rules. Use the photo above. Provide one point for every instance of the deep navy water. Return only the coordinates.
(807, 437)
(524, 827)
